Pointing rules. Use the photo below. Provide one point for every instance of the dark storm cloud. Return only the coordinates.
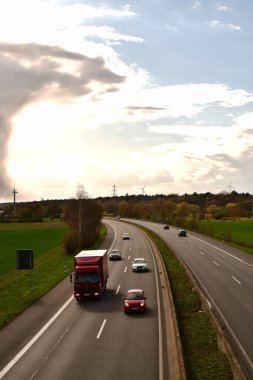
(30, 72)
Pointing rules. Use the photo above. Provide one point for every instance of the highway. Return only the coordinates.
(58, 338)
(225, 275)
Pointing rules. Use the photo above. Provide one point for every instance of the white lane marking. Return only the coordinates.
(216, 263)
(209, 304)
(101, 328)
(33, 340)
(236, 280)
(129, 257)
(125, 269)
(130, 249)
(222, 250)
(202, 253)
(191, 245)
(49, 353)
(118, 288)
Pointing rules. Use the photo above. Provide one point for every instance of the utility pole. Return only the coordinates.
(14, 192)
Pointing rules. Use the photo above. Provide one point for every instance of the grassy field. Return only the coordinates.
(20, 288)
(239, 232)
(41, 237)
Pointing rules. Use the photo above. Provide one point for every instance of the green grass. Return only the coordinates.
(41, 237)
(21, 288)
(51, 264)
(238, 233)
(202, 357)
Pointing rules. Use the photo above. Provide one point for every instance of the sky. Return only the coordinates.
(125, 97)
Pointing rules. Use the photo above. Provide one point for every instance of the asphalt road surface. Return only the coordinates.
(225, 275)
(58, 338)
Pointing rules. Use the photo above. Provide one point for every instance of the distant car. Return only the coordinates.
(139, 265)
(166, 227)
(182, 233)
(115, 254)
(118, 217)
(135, 301)
(126, 236)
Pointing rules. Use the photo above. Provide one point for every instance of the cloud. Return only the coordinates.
(223, 8)
(108, 34)
(197, 4)
(32, 72)
(221, 26)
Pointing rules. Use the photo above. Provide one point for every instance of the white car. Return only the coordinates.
(115, 254)
(139, 265)
(126, 236)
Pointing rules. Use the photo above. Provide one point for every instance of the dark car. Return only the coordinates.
(135, 301)
(182, 233)
(166, 227)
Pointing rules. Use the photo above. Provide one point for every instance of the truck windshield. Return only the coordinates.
(87, 278)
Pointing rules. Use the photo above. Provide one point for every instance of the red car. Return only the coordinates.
(135, 301)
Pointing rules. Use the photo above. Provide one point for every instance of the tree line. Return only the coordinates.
(84, 214)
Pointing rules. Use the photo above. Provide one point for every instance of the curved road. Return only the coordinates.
(225, 275)
(58, 338)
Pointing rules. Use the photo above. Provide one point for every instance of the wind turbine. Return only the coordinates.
(143, 189)
(230, 186)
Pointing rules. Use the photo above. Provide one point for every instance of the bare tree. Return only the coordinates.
(84, 216)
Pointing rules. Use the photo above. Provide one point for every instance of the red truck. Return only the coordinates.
(90, 274)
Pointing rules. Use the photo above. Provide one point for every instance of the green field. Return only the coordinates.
(41, 237)
(239, 232)
(21, 288)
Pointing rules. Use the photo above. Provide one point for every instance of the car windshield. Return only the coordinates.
(139, 261)
(87, 278)
(135, 296)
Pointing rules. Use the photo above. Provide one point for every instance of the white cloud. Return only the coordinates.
(219, 25)
(224, 8)
(197, 4)
(108, 33)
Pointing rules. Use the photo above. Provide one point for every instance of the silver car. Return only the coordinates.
(115, 254)
(126, 236)
(139, 265)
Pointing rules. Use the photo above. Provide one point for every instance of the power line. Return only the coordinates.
(14, 192)
(114, 191)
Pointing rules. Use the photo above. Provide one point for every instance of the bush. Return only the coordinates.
(70, 243)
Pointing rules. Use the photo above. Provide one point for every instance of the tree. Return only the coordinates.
(84, 216)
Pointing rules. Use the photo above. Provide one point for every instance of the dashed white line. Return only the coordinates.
(191, 245)
(101, 328)
(118, 288)
(239, 282)
(33, 340)
(202, 253)
(125, 269)
(216, 263)
(129, 257)
(222, 250)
